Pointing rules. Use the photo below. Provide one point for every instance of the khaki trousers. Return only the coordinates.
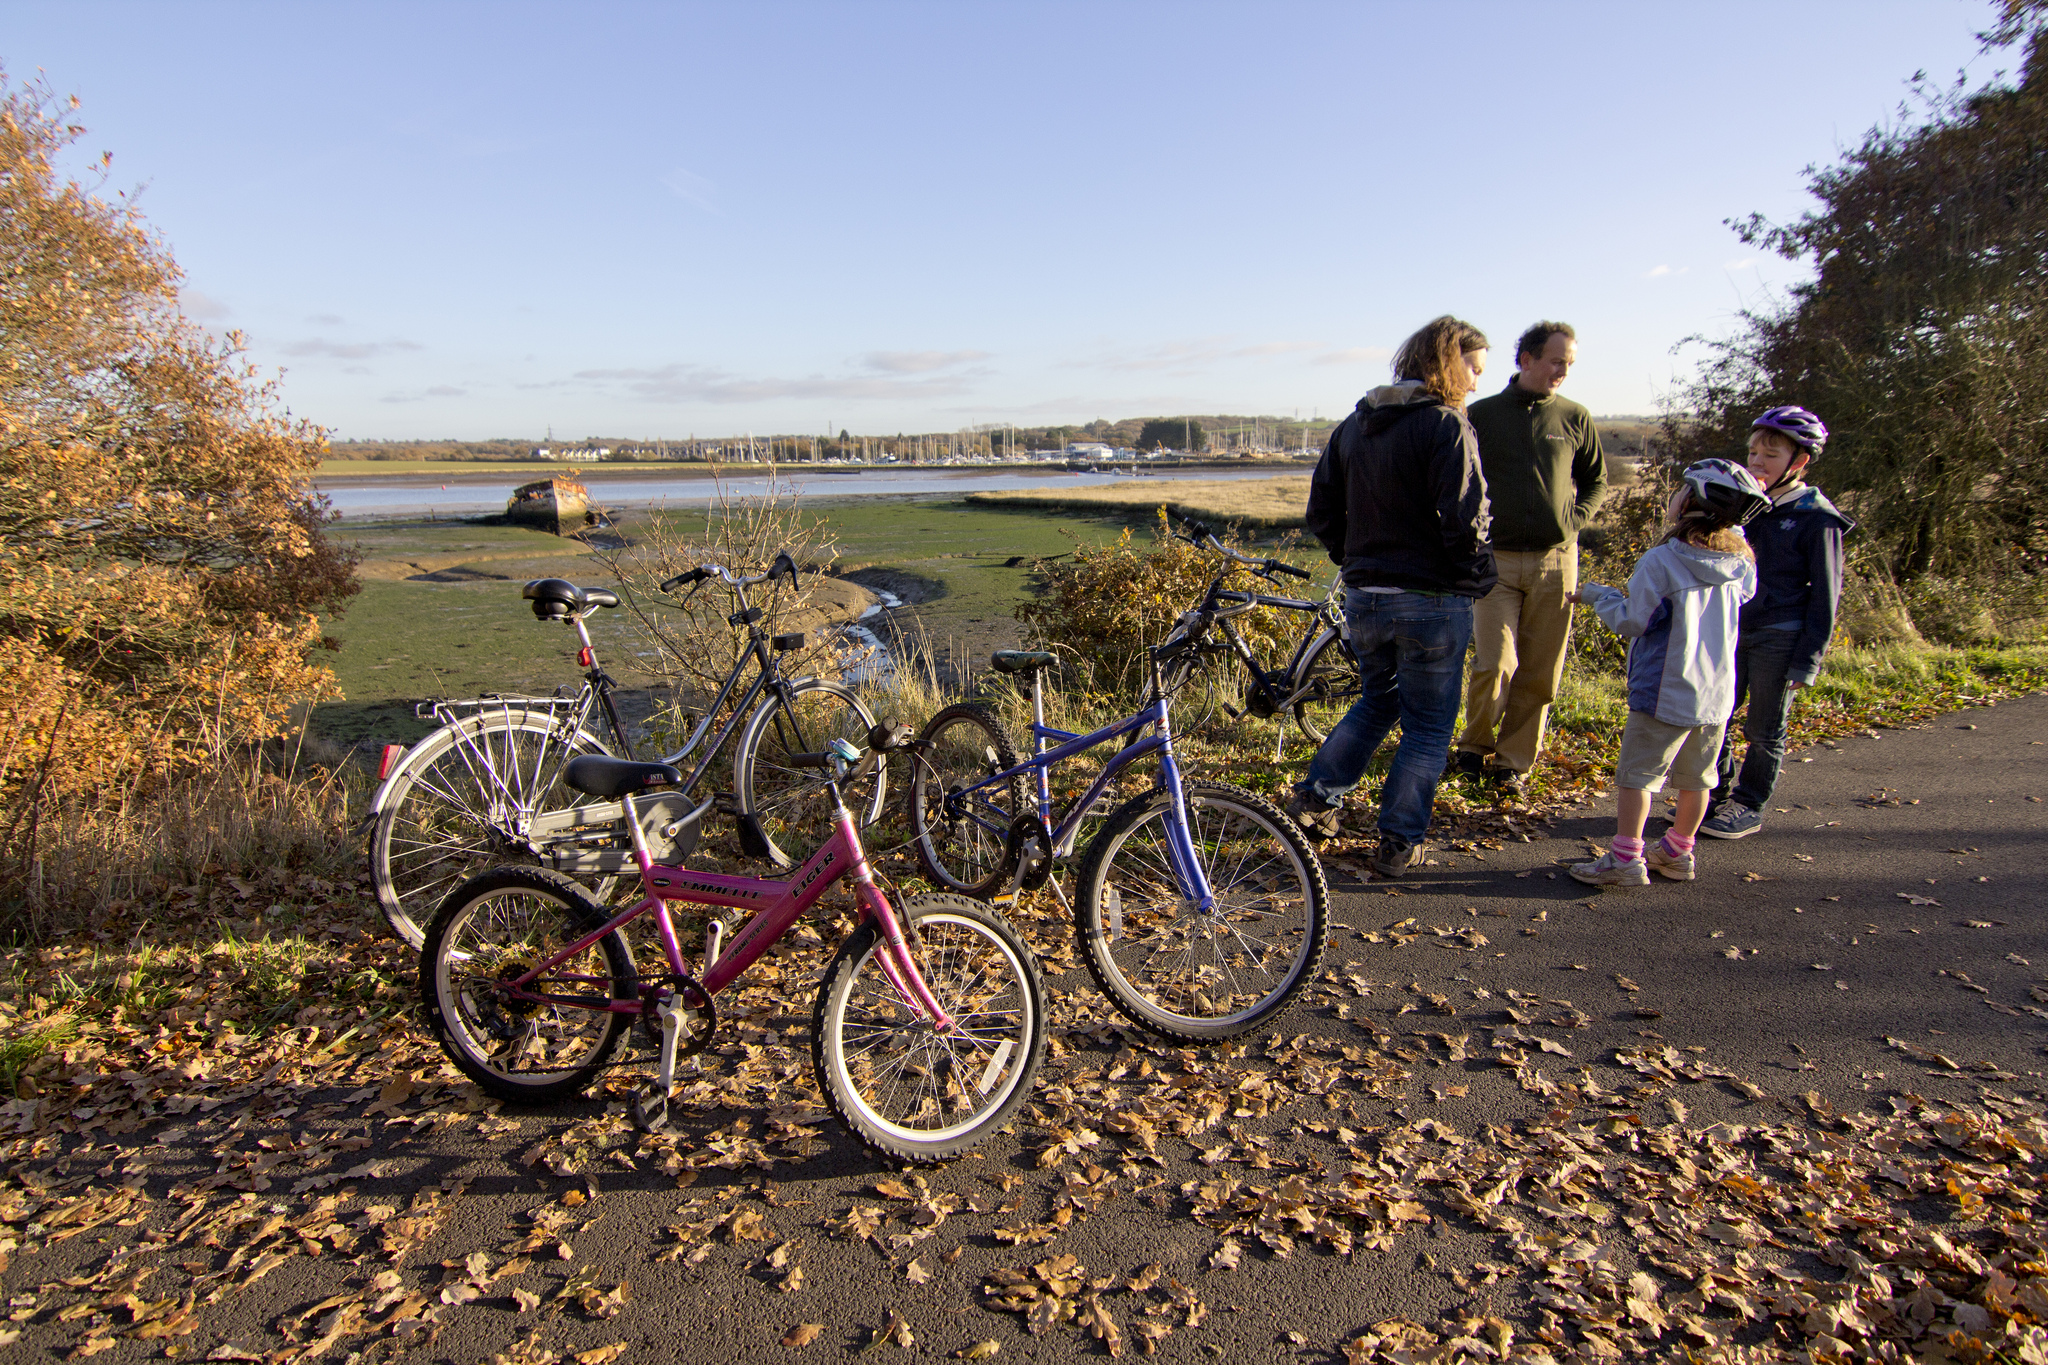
(1521, 629)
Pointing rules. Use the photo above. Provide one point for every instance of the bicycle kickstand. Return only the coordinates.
(650, 1107)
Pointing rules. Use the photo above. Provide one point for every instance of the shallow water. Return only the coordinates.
(476, 494)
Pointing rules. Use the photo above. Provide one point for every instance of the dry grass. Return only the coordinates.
(1267, 503)
(241, 824)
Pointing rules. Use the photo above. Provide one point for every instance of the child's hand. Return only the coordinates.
(1573, 597)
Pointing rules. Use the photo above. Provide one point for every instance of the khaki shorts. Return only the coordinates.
(1652, 750)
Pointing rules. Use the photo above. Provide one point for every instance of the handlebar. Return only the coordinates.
(784, 566)
(1199, 533)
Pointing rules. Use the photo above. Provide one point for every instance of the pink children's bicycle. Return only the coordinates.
(926, 1033)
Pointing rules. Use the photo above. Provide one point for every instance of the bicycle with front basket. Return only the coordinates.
(1199, 906)
(485, 787)
(926, 1031)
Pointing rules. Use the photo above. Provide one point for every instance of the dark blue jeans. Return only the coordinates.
(1411, 662)
(1761, 660)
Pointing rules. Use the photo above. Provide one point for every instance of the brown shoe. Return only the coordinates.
(1317, 821)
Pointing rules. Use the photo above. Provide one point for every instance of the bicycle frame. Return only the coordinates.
(597, 690)
(776, 905)
(1194, 884)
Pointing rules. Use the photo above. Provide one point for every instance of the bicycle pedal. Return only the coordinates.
(650, 1114)
(726, 803)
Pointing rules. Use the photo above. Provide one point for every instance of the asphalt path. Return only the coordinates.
(1882, 937)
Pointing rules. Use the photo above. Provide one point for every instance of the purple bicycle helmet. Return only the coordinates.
(1729, 493)
(1804, 429)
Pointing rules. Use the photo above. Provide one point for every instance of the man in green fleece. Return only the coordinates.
(1545, 477)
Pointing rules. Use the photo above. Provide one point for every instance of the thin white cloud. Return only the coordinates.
(347, 350)
(1659, 272)
(201, 307)
(1192, 355)
(702, 384)
(1354, 355)
(438, 391)
(691, 188)
(919, 362)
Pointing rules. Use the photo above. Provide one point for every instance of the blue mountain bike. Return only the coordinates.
(1200, 908)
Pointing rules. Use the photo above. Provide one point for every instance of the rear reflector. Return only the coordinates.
(389, 760)
(583, 656)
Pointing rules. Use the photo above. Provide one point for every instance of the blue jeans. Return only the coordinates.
(1411, 664)
(1762, 658)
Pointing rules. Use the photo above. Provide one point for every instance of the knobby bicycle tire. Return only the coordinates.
(788, 800)
(461, 804)
(902, 1088)
(1174, 970)
(498, 925)
(964, 847)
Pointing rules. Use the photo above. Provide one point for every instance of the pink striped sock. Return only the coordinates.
(1628, 850)
(1677, 844)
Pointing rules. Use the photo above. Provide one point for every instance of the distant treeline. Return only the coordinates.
(1224, 434)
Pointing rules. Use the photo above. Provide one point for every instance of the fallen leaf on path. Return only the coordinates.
(803, 1334)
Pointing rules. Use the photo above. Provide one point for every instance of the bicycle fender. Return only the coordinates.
(1308, 647)
(468, 725)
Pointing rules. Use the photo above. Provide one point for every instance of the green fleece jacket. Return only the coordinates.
(1545, 475)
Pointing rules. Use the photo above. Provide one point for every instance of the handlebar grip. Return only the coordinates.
(806, 760)
(695, 575)
(783, 565)
(1288, 569)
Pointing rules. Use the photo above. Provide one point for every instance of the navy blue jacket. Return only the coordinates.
(1798, 547)
(1399, 499)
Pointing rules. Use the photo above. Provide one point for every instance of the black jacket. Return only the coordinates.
(1798, 545)
(1399, 499)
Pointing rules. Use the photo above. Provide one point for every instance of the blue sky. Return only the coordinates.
(475, 220)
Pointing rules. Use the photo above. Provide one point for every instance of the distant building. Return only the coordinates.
(1089, 450)
(584, 454)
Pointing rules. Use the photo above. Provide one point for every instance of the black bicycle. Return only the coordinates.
(1221, 671)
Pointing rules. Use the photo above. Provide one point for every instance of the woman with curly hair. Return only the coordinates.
(1399, 502)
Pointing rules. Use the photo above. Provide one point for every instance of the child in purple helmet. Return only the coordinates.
(1681, 608)
(1787, 625)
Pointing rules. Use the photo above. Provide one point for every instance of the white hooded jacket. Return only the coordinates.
(1682, 609)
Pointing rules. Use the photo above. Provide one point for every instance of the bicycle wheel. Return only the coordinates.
(903, 1088)
(787, 800)
(464, 802)
(1197, 687)
(1329, 669)
(962, 837)
(498, 925)
(1171, 968)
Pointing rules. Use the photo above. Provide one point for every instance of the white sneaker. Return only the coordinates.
(1608, 870)
(1677, 866)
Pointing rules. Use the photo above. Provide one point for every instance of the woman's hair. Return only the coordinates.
(1431, 356)
(1697, 526)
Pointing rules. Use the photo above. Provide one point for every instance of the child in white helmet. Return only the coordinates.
(1682, 607)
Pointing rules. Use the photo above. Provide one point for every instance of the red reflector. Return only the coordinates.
(389, 760)
(583, 656)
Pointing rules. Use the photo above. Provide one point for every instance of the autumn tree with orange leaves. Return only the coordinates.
(161, 556)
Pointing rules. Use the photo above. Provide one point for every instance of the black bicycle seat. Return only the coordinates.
(555, 598)
(1022, 660)
(597, 775)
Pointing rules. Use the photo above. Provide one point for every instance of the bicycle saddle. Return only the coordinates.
(597, 775)
(1022, 660)
(556, 598)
